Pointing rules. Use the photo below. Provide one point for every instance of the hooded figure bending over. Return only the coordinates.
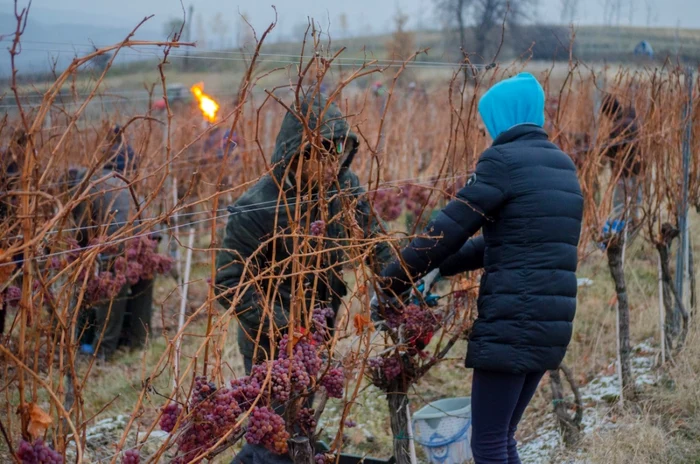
(258, 242)
(526, 199)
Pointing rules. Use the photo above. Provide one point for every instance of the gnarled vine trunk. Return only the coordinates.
(615, 251)
(398, 402)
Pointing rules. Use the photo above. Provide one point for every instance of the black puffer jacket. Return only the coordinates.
(526, 196)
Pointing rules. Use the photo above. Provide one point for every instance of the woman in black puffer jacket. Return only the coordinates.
(526, 199)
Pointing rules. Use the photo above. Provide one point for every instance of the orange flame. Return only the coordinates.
(207, 104)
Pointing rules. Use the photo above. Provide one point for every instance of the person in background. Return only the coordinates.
(120, 156)
(10, 173)
(138, 311)
(257, 239)
(106, 209)
(525, 198)
(249, 226)
(626, 162)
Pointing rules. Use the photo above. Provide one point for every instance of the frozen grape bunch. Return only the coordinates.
(266, 428)
(37, 453)
(169, 417)
(131, 456)
(333, 382)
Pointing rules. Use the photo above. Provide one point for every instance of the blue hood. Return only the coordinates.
(511, 102)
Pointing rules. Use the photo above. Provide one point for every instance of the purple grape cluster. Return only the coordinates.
(146, 262)
(418, 322)
(12, 295)
(281, 385)
(225, 409)
(55, 263)
(213, 413)
(321, 458)
(131, 456)
(318, 228)
(387, 204)
(334, 382)
(105, 286)
(246, 390)
(267, 428)
(349, 423)
(307, 420)
(417, 198)
(319, 320)
(387, 368)
(304, 351)
(169, 417)
(37, 453)
(391, 367)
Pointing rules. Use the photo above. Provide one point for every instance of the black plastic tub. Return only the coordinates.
(354, 459)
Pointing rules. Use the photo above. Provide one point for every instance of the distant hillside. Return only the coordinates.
(46, 42)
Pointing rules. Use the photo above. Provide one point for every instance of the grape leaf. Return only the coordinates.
(39, 421)
(361, 322)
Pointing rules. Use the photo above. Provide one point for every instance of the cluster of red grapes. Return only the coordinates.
(307, 420)
(168, 418)
(104, 286)
(37, 453)
(417, 198)
(416, 322)
(143, 250)
(324, 459)
(140, 262)
(384, 369)
(267, 428)
(333, 382)
(213, 412)
(12, 295)
(416, 326)
(320, 323)
(318, 228)
(387, 204)
(303, 350)
(131, 456)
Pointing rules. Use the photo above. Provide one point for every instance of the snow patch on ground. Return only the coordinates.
(597, 397)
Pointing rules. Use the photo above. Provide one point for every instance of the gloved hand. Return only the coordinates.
(421, 293)
(430, 279)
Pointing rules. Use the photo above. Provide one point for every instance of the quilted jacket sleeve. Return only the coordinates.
(469, 258)
(476, 203)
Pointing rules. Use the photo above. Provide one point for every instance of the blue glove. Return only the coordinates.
(422, 292)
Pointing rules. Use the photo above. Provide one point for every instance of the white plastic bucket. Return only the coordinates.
(443, 429)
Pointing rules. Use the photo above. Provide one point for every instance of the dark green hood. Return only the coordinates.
(291, 136)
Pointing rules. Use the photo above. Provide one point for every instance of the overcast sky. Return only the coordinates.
(364, 16)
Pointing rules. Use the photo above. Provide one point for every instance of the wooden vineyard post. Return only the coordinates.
(662, 314)
(682, 265)
(183, 305)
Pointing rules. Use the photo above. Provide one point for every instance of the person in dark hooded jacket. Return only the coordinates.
(257, 234)
(120, 155)
(625, 160)
(525, 198)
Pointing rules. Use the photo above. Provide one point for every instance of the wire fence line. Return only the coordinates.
(261, 206)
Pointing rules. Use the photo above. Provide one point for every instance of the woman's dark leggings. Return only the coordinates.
(498, 403)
